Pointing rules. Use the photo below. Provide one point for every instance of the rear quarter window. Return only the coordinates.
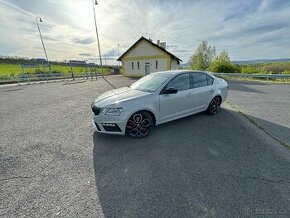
(209, 80)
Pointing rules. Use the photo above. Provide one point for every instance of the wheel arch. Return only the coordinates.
(217, 95)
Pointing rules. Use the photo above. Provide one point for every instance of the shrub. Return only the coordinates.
(222, 67)
(286, 72)
(56, 72)
(38, 71)
(250, 70)
(222, 64)
(255, 70)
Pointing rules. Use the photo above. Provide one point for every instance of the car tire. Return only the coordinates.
(214, 106)
(139, 124)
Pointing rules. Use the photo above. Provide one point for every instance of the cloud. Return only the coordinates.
(85, 54)
(17, 8)
(112, 53)
(83, 40)
(251, 29)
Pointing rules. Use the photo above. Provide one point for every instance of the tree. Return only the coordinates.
(222, 64)
(223, 57)
(203, 56)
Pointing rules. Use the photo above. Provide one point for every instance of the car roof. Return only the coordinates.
(171, 73)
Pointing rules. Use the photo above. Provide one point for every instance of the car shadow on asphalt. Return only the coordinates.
(281, 133)
(245, 87)
(197, 166)
(249, 82)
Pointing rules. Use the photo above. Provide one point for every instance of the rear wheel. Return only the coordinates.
(214, 106)
(139, 124)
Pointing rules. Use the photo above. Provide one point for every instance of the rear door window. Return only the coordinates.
(199, 80)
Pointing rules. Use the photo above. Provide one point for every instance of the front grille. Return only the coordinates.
(96, 110)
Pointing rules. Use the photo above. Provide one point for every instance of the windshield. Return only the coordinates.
(149, 83)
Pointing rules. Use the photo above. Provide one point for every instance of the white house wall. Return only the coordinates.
(174, 65)
(162, 64)
(144, 52)
(144, 49)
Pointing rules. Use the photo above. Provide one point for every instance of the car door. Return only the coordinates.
(173, 106)
(202, 91)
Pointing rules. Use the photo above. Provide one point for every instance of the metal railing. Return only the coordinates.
(29, 77)
(257, 76)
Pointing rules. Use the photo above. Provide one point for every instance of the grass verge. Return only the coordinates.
(243, 79)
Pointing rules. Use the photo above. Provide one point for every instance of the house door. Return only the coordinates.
(147, 68)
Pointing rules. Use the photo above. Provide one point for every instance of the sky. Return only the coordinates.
(246, 29)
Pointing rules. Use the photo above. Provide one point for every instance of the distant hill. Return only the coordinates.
(185, 65)
(257, 61)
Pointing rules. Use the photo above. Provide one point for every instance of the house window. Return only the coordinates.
(132, 65)
(138, 65)
(156, 64)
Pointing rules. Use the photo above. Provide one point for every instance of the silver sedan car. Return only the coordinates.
(155, 99)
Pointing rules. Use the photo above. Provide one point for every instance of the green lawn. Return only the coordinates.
(8, 69)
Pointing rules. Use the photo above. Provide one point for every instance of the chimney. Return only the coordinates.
(158, 42)
(163, 45)
(150, 40)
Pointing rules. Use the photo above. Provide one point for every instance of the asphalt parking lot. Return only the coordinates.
(267, 104)
(53, 164)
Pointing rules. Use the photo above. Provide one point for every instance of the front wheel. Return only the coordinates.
(214, 106)
(139, 124)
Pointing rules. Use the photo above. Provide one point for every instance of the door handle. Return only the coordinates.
(189, 95)
(211, 90)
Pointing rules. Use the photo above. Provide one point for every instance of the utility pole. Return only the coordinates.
(99, 47)
(97, 35)
(36, 19)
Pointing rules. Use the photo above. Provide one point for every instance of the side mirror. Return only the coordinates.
(170, 90)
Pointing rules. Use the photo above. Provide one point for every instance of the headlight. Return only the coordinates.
(111, 111)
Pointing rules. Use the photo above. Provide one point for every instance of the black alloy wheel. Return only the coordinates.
(214, 106)
(139, 124)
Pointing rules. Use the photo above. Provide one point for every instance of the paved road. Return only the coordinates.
(54, 165)
(267, 104)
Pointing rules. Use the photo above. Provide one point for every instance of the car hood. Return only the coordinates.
(117, 96)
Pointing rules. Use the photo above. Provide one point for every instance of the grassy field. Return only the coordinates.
(266, 68)
(15, 69)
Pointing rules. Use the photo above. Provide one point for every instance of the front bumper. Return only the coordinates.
(109, 124)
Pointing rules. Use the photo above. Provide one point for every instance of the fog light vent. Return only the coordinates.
(111, 127)
(108, 124)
